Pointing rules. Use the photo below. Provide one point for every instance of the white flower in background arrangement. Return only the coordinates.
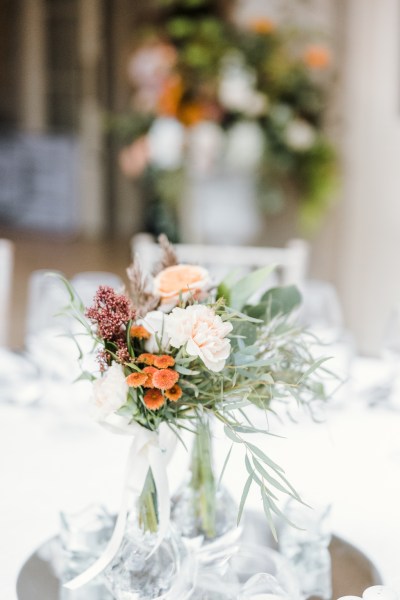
(202, 332)
(205, 146)
(151, 64)
(258, 104)
(166, 138)
(236, 84)
(245, 146)
(155, 325)
(110, 391)
(300, 135)
(236, 90)
(180, 281)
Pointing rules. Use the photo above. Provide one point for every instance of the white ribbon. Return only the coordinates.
(149, 450)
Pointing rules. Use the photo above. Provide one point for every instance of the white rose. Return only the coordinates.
(154, 323)
(203, 332)
(110, 391)
(300, 135)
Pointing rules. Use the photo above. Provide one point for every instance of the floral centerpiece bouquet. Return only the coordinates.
(174, 352)
(212, 95)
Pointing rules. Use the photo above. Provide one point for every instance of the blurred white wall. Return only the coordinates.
(369, 276)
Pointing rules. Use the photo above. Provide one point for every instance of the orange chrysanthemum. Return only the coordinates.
(136, 379)
(153, 399)
(317, 57)
(165, 379)
(149, 372)
(262, 26)
(174, 393)
(163, 361)
(140, 332)
(146, 358)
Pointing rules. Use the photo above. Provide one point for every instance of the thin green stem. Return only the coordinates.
(203, 480)
(148, 516)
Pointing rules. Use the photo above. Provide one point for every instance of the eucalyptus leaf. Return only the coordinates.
(248, 331)
(258, 452)
(267, 511)
(313, 368)
(184, 371)
(243, 499)
(225, 465)
(281, 300)
(232, 435)
(223, 290)
(242, 290)
(274, 482)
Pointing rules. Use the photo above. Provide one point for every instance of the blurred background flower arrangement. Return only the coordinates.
(210, 96)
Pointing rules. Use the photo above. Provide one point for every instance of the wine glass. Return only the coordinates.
(47, 347)
(321, 313)
(389, 390)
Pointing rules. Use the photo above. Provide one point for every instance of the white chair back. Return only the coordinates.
(291, 261)
(6, 272)
(86, 284)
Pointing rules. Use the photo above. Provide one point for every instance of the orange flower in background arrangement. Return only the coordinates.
(165, 379)
(192, 113)
(164, 361)
(146, 358)
(153, 399)
(139, 332)
(317, 57)
(136, 379)
(262, 25)
(149, 372)
(170, 96)
(174, 393)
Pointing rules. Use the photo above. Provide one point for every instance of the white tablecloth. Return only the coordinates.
(54, 457)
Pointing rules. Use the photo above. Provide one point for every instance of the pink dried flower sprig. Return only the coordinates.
(110, 313)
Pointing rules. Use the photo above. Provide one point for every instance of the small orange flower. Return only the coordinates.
(165, 379)
(149, 372)
(136, 379)
(146, 358)
(317, 57)
(153, 399)
(163, 361)
(174, 393)
(262, 26)
(140, 332)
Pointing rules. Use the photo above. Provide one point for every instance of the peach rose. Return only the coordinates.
(180, 280)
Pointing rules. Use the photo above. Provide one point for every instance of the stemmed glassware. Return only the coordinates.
(388, 392)
(322, 314)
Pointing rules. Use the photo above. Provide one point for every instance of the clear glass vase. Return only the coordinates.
(203, 511)
(145, 568)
